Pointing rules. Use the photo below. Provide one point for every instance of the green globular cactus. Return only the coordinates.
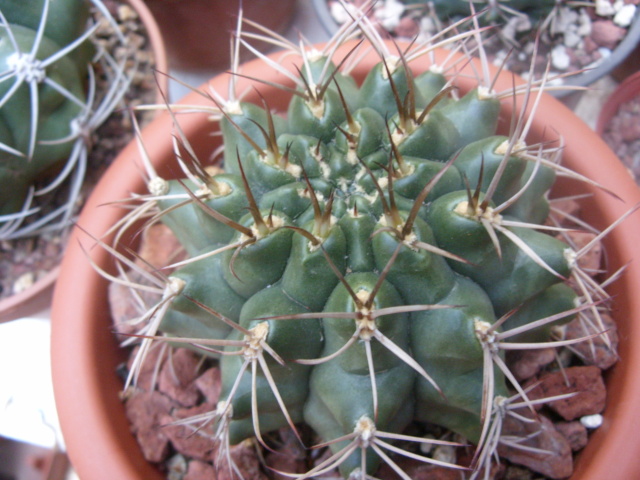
(491, 10)
(364, 260)
(48, 106)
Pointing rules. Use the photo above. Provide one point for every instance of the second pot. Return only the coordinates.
(197, 32)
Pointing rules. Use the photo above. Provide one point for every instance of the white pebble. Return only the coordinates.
(445, 453)
(522, 23)
(559, 58)
(340, 13)
(591, 421)
(565, 18)
(389, 13)
(584, 24)
(529, 48)
(555, 81)
(604, 8)
(425, 447)
(625, 15)
(126, 13)
(508, 32)
(499, 58)
(571, 38)
(428, 25)
(604, 52)
(24, 282)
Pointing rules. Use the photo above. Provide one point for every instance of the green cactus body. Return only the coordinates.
(494, 9)
(55, 115)
(65, 20)
(349, 278)
(56, 90)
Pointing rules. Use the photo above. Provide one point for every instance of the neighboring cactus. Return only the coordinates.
(364, 262)
(527, 16)
(491, 10)
(564, 32)
(48, 106)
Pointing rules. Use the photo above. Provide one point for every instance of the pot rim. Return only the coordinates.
(627, 90)
(602, 457)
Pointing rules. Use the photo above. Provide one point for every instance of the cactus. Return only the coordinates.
(49, 107)
(491, 11)
(529, 15)
(365, 261)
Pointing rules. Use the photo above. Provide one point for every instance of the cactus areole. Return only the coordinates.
(365, 259)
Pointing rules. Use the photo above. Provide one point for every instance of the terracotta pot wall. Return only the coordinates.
(85, 354)
(197, 32)
(625, 92)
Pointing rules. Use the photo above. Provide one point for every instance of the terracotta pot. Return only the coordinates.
(627, 90)
(197, 31)
(85, 353)
(38, 297)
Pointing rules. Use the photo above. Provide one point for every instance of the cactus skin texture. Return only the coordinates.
(55, 113)
(361, 259)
